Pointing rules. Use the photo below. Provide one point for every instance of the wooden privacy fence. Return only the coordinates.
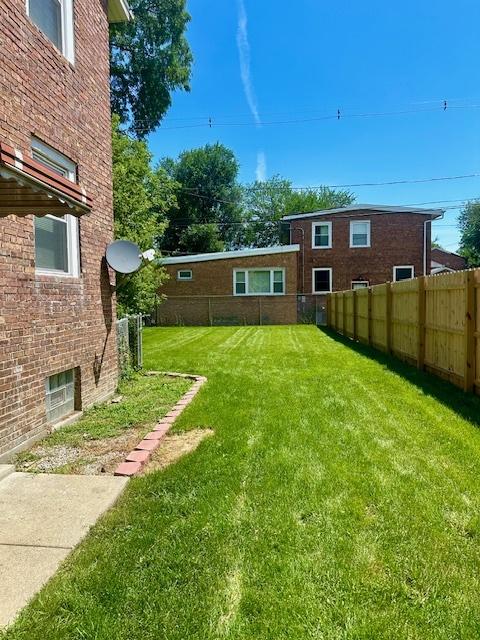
(432, 321)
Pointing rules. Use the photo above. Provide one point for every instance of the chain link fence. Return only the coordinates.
(130, 343)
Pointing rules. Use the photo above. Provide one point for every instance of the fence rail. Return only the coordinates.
(431, 321)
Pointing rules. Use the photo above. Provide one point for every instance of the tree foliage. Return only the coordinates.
(208, 200)
(141, 198)
(265, 203)
(469, 223)
(149, 59)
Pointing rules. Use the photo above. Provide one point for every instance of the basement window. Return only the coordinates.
(259, 282)
(360, 284)
(54, 18)
(60, 395)
(322, 280)
(184, 274)
(403, 273)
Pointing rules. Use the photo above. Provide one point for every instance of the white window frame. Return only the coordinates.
(313, 280)
(403, 266)
(369, 227)
(55, 160)
(362, 282)
(323, 224)
(188, 278)
(68, 39)
(246, 272)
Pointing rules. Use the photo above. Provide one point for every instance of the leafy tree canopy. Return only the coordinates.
(469, 223)
(141, 198)
(265, 203)
(208, 200)
(149, 59)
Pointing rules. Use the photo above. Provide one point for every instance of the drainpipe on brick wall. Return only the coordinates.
(425, 243)
(303, 252)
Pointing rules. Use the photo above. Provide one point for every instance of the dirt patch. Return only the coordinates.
(92, 458)
(174, 446)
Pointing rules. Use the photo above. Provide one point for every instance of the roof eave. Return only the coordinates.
(119, 11)
(433, 213)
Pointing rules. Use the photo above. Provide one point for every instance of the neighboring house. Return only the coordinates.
(57, 314)
(445, 261)
(361, 245)
(337, 249)
(251, 286)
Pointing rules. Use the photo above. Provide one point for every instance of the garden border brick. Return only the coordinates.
(140, 456)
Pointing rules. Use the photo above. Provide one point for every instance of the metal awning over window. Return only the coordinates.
(27, 187)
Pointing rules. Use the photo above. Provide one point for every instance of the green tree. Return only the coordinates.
(469, 223)
(149, 59)
(141, 198)
(265, 203)
(208, 212)
(436, 243)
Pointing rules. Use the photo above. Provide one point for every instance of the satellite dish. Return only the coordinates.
(124, 256)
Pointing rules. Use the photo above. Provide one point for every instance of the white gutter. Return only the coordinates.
(232, 255)
(425, 240)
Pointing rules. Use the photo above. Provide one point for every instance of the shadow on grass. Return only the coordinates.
(466, 405)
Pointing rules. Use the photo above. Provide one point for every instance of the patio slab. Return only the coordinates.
(42, 518)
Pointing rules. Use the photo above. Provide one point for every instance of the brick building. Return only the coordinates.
(57, 313)
(445, 261)
(336, 249)
(251, 286)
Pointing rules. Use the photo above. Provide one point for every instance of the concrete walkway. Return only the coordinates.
(42, 518)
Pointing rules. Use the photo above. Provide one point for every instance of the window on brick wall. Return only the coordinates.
(403, 272)
(60, 395)
(360, 284)
(321, 235)
(55, 19)
(56, 237)
(184, 274)
(322, 280)
(257, 282)
(359, 233)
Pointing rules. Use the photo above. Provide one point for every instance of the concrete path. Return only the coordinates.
(42, 518)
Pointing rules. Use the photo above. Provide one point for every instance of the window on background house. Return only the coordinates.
(359, 233)
(360, 284)
(255, 282)
(322, 280)
(55, 19)
(56, 237)
(184, 274)
(60, 395)
(403, 273)
(321, 235)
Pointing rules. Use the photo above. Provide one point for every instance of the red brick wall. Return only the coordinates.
(451, 260)
(50, 324)
(396, 239)
(208, 298)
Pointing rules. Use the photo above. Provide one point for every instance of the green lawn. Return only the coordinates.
(338, 499)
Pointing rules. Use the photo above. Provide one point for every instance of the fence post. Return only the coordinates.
(388, 317)
(370, 319)
(210, 318)
(469, 336)
(328, 309)
(336, 311)
(421, 322)
(343, 313)
(354, 304)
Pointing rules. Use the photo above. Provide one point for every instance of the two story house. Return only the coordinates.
(57, 313)
(336, 249)
(361, 245)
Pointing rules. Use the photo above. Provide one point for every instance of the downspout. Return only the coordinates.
(425, 241)
(303, 252)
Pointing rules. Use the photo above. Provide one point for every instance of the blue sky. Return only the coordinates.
(264, 61)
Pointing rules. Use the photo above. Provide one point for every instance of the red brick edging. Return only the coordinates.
(136, 459)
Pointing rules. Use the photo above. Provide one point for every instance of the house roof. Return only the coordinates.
(230, 255)
(446, 253)
(119, 11)
(376, 208)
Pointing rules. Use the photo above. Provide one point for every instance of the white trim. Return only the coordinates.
(434, 213)
(247, 270)
(67, 35)
(369, 229)
(365, 282)
(231, 255)
(188, 279)
(313, 280)
(403, 266)
(328, 224)
(49, 156)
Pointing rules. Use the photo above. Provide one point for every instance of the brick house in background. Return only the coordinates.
(445, 261)
(250, 286)
(336, 249)
(57, 313)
